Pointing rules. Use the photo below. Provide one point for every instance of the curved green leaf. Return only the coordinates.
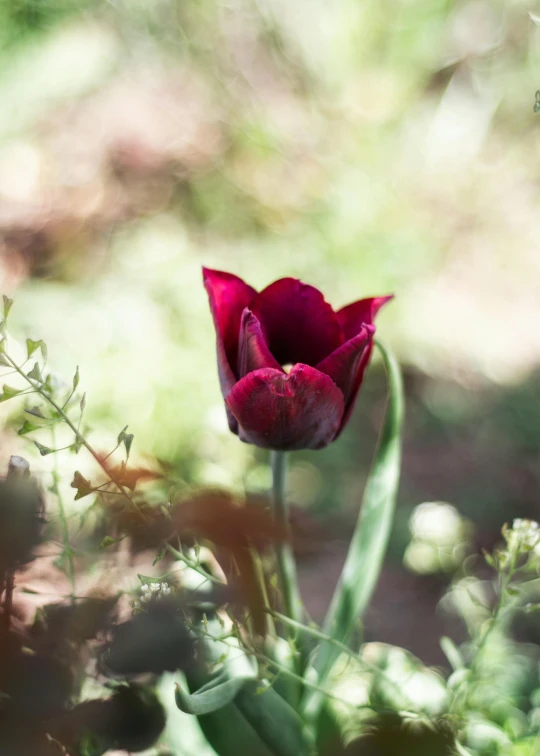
(209, 698)
(370, 538)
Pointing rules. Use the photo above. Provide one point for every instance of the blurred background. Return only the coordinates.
(367, 147)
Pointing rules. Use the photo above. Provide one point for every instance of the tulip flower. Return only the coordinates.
(290, 367)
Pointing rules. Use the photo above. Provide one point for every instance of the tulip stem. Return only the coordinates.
(286, 566)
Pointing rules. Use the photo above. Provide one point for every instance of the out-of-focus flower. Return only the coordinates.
(441, 538)
(288, 323)
(151, 591)
(523, 536)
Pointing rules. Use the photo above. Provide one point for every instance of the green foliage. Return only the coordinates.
(244, 692)
(237, 712)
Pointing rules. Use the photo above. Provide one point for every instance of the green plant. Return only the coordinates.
(256, 673)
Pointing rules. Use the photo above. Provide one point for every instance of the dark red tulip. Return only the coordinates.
(288, 323)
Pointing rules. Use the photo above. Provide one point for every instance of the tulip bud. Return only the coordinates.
(290, 366)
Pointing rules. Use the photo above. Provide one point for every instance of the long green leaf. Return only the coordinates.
(238, 713)
(277, 724)
(230, 734)
(370, 538)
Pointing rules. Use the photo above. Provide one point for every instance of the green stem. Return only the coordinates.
(315, 632)
(68, 551)
(261, 580)
(181, 557)
(78, 435)
(461, 694)
(286, 566)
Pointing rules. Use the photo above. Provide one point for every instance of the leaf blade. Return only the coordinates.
(370, 538)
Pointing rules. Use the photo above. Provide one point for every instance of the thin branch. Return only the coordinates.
(80, 438)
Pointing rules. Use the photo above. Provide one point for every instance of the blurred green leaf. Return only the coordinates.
(8, 393)
(490, 559)
(8, 304)
(452, 653)
(275, 721)
(32, 346)
(43, 450)
(27, 427)
(36, 412)
(35, 374)
(126, 439)
(108, 541)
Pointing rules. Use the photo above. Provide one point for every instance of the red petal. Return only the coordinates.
(353, 317)
(253, 352)
(276, 410)
(299, 325)
(347, 365)
(228, 296)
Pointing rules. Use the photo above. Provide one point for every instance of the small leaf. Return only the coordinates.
(8, 393)
(8, 304)
(43, 450)
(76, 379)
(48, 385)
(83, 403)
(27, 427)
(121, 435)
(108, 541)
(83, 486)
(36, 412)
(276, 723)
(490, 559)
(452, 653)
(32, 346)
(160, 556)
(513, 590)
(35, 373)
(128, 440)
